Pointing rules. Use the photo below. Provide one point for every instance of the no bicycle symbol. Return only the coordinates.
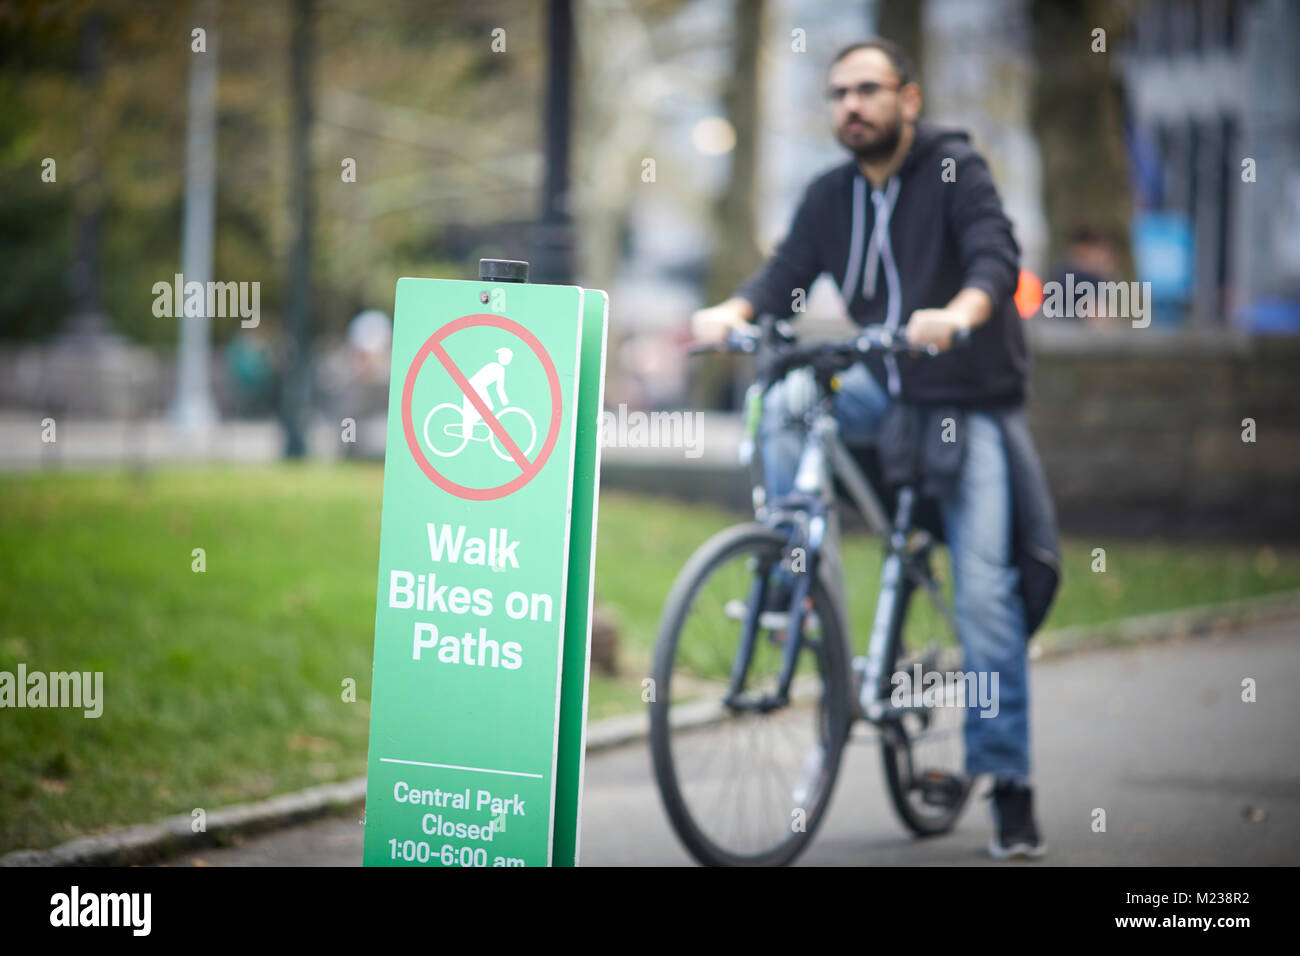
(474, 423)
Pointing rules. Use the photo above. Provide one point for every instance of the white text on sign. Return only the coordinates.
(422, 591)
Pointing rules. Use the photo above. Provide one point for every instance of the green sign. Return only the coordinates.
(582, 572)
(475, 582)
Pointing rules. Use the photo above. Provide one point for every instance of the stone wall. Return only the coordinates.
(1141, 431)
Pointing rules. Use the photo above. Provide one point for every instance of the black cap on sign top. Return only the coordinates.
(503, 270)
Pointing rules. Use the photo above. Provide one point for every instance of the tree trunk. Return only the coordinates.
(1078, 120)
(735, 251)
(900, 21)
(298, 377)
(88, 202)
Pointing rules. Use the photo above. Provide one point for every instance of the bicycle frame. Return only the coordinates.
(812, 511)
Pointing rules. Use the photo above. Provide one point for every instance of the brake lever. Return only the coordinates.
(900, 343)
(734, 341)
(959, 339)
(742, 341)
(784, 331)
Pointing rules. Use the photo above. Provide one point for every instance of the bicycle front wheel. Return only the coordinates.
(520, 427)
(745, 787)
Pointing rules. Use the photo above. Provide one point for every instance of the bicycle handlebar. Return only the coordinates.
(787, 355)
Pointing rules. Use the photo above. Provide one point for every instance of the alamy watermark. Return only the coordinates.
(219, 300)
(637, 429)
(75, 908)
(82, 689)
(946, 689)
(1085, 299)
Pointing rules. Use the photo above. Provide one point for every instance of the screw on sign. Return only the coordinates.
(528, 469)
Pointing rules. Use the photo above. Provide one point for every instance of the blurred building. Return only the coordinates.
(1214, 99)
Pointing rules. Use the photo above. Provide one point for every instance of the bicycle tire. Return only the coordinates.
(895, 750)
(831, 725)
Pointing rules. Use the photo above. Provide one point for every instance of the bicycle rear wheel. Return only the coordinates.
(748, 787)
(444, 440)
(922, 743)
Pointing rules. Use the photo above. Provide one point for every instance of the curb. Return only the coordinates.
(174, 835)
(1215, 620)
(148, 842)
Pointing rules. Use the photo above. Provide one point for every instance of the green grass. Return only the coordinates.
(228, 685)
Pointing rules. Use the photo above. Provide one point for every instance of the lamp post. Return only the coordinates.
(193, 407)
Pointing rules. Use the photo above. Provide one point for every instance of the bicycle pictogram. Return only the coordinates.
(455, 425)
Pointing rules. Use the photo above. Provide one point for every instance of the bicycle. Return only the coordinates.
(466, 434)
(755, 668)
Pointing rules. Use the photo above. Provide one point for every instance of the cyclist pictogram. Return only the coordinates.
(450, 427)
(482, 413)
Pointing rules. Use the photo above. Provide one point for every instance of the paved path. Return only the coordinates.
(1157, 735)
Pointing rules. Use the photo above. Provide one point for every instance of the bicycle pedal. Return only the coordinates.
(738, 610)
(939, 789)
(774, 621)
(735, 609)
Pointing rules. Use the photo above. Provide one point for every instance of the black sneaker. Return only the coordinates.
(1013, 816)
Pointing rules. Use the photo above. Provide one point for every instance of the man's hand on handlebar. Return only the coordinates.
(942, 328)
(709, 326)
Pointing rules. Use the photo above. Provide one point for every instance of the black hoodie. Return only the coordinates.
(946, 231)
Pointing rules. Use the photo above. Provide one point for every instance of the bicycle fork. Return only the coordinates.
(734, 698)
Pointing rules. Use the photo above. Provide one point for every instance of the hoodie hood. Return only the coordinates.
(929, 138)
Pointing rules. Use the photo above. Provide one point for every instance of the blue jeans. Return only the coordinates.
(977, 522)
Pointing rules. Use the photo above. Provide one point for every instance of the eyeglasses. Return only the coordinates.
(865, 91)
